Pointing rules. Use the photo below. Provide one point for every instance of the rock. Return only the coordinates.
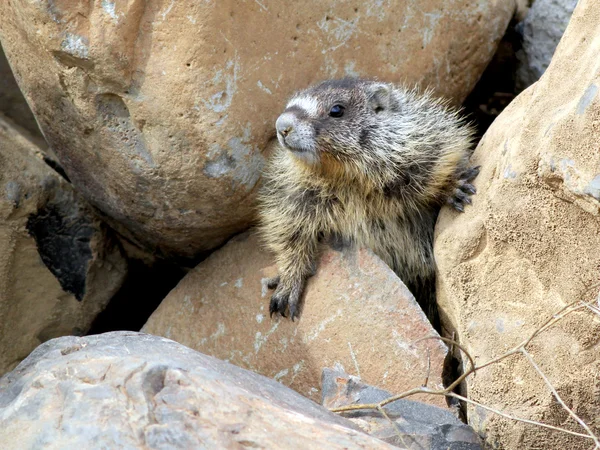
(542, 28)
(357, 313)
(12, 102)
(529, 246)
(417, 425)
(160, 111)
(129, 390)
(59, 265)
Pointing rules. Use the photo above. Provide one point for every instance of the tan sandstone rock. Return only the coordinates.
(59, 265)
(531, 245)
(357, 313)
(159, 111)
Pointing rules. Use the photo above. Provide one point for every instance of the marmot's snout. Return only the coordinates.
(295, 134)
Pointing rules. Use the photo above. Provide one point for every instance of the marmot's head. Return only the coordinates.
(337, 120)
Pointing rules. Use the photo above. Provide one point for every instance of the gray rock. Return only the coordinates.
(542, 29)
(131, 390)
(418, 426)
(12, 102)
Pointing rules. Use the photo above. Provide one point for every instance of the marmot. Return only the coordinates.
(367, 163)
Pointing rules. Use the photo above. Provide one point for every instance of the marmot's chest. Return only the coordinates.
(355, 210)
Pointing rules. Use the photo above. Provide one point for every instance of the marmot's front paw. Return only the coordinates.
(464, 189)
(286, 297)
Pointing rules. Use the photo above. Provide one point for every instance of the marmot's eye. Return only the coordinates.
(336, 111)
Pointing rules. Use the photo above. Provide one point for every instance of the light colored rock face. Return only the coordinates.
(128, 390)
(59, 266)
(543, 27)
(159, 110)
(357, 313)
(529, 246)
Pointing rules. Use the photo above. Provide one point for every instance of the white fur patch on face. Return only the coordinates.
(308, 104)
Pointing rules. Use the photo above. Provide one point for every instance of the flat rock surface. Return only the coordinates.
(160, 110)
(357, 313)
(126, 390)
(528, 247)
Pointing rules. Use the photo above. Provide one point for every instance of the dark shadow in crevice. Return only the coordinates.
(143, 290)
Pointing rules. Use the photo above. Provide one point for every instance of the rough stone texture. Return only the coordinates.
(12, 102)
(357, 313)
(59, 266)
(159, 110)
(542, 28)
(417, 426)
(529, 246)
(128, 390)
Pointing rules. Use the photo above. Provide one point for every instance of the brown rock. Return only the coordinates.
(357, 313)
(159, 110)
(529, 246)
(128, 390)
(59, 265)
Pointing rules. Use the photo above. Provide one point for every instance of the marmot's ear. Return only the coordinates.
(379, 97)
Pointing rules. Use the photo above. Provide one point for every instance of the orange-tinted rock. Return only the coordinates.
(357, 313)
(160, 111)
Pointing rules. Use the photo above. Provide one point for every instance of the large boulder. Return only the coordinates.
(528, 246)
(159, 111)
(59, 265)
(357, 313)
(128, 390)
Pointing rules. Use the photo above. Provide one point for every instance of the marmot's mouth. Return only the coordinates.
(292, 146)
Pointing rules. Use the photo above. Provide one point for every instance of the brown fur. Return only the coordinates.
(375, 177)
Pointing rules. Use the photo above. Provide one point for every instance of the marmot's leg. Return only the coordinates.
(461, 195)
(296, 259)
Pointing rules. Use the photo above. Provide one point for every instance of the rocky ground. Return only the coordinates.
(132, 139)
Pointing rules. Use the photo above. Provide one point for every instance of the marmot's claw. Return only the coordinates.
(461, 196)
(457, 206)
(469, 188)
(278, 305)
(286, 299)
(293, 312)
(273, 282)
(464, 190)
(470, 173)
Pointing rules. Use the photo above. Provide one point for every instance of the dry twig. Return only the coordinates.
(473, 368)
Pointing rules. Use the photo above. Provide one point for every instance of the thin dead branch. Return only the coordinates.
(520, 349)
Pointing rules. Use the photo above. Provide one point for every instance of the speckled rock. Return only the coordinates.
(357, 313)
(126, 390)
(529, 246)
(59, 266)
(160, 111)
(542, 28)
(417, 425)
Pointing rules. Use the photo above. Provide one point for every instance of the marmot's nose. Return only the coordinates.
(284, 125)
